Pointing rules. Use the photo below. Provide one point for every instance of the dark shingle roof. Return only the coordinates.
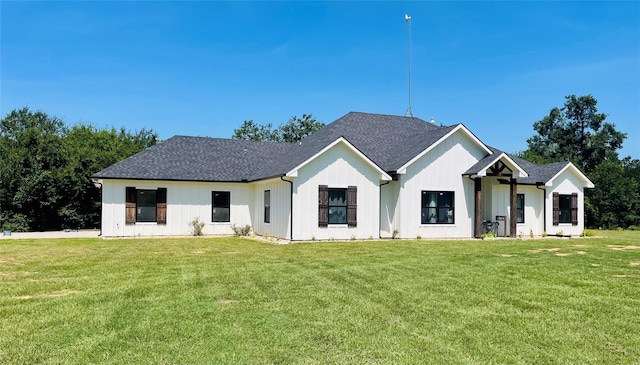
(197, 159)
(537, 173)
(389, 141)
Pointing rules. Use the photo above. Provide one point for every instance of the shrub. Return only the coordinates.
(395, 234)
(531, 233)
(633, 228)
(544, 234)
(588, 233)
(242, 230)
(196, 227)
(488, 235)
(559, 234)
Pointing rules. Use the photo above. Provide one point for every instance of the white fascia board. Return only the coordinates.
(569, 165)
(383, 174)
(509, 162)
(403, 169)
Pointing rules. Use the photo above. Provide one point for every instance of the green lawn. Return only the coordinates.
(232, 300)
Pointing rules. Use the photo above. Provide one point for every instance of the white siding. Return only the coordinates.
(440, 169)
(280, 222)
(566, 184)
(388, 208)
(338, 167)
(185, 201)
(533, 210)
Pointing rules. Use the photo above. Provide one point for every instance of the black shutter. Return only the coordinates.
(556, 209)
(323, 206)
(130, 206)
(574, 209)
(161, 205)
(352, 206)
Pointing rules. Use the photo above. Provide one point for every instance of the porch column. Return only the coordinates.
(513, 210)
(478, 191)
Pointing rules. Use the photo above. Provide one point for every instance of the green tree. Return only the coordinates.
(31, 155)
(575, 132)
(298, 128)
(251, 131)
(292, 131)
(45, 169)
(615, 201)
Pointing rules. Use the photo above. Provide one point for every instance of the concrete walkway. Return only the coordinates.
(84, 233)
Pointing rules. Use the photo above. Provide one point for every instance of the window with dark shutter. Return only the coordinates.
(574, 209)
(556, 209)
(130, 206)
(323, 206)
(161, 205)
(352, 206)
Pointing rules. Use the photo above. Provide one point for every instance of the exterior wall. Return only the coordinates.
(338, 167)
(185, 201)
(389, 208)
(533, 210)
(567, 183)
(440, 169)
(280, 222)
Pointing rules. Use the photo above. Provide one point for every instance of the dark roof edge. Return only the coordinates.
(189, 180)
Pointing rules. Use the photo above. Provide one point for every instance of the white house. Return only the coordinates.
(362, 176)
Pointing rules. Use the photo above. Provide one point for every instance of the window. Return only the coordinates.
(220, 206)
(337, 206)
(520, 208)
(267, 206)
(438, 207)
(146, 205)
(565, 208)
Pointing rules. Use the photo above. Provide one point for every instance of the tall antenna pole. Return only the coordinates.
(407, 20)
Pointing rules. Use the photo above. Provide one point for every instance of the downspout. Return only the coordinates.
(380, 208)
(98, 184)
(290, 208)
(544, 207)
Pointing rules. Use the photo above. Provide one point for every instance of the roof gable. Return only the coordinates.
(449, 132)
(383, 175)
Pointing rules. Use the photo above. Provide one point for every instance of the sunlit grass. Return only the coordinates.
(230, 300)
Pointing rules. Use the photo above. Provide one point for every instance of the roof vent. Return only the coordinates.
(433, 120)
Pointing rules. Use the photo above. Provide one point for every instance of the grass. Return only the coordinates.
(233, 300)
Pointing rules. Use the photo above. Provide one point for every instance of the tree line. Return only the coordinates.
(577, 132)
(45, 167)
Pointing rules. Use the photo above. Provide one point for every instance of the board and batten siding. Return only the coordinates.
(185, 201)
(338, 167)
(389, 208)
(533, 211)
(440, 169)
(280, 222)
(565, 184)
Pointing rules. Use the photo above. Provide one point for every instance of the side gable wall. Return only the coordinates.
(338, 167)
(565, 184)
(185, 201)
(439, 170)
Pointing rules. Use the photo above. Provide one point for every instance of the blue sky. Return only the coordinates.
(201, 68)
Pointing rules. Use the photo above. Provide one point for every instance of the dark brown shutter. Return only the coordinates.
(161, 205)
(574, 209)
(352, 205)
(323, 206)
(130, 206)
(556, 209)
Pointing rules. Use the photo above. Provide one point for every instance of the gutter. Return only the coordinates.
(290, 208)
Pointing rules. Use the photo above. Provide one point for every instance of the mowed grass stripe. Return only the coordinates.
(232, 300)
